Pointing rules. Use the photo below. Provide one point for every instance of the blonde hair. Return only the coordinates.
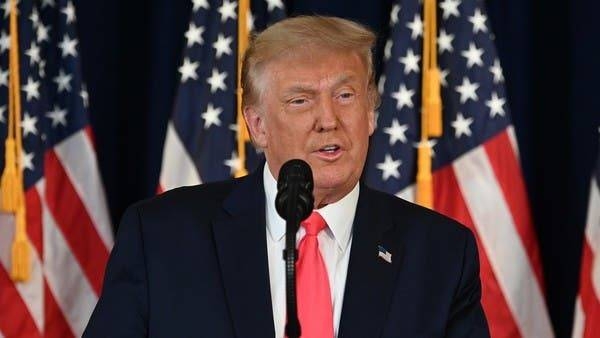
(299, 32)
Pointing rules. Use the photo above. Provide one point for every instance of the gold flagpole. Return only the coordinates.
(243, 136)
(431, 108)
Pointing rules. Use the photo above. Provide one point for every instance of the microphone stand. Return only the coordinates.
(290, 254)
(294, 202)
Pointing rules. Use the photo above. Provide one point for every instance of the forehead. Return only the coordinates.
(312, 65)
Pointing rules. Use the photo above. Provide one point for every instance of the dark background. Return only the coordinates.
(131, 50)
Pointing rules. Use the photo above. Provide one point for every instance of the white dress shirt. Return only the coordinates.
(334, 243)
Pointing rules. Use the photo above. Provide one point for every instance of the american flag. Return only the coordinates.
(200, 144)
(587, 308)
(476, 172)
(68, 223)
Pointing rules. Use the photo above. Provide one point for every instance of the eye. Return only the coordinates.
(298, 101)
(346, 96)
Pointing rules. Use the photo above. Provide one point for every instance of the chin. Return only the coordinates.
(333, 180)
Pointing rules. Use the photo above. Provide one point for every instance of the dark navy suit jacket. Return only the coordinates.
(193, 263)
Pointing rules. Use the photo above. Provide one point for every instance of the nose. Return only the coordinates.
(326, 116)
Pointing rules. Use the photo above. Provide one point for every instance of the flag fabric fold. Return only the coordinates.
(201, 141)
(67, 219)
(475, 163)
(587, 304)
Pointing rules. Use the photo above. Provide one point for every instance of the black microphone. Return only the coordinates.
(294, 190)
(294, 203)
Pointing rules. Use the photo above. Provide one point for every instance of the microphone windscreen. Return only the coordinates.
(294, 176)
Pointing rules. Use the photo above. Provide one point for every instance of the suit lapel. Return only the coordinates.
(371, 279)
(240, 239)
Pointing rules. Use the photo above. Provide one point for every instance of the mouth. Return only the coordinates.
(329, 149)
(329, 152)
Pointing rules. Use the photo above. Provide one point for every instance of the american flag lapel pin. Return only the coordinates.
(384, 254)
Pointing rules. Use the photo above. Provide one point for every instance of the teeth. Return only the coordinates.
(329, 148)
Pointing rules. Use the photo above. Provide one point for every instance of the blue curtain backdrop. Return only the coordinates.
(131, 51)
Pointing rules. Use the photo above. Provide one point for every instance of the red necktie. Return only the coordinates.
(314, 296)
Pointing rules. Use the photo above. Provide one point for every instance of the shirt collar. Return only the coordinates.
(339, 215)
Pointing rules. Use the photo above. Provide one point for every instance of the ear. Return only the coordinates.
(256, 126)
(371, 117)
(374, 101)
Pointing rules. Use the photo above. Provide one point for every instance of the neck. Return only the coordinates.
(324, 197)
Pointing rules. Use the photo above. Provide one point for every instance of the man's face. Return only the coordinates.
(315, 106)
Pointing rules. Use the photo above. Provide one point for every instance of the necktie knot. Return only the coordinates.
(314, 224)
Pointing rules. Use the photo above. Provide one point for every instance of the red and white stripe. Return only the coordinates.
(587, 310)
(484, 190)
(177, 168)
(70, 233)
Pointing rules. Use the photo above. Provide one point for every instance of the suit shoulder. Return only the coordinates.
(200, 197)
(179, 209)
(405, 212)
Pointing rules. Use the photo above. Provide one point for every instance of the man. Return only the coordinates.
(206, 261)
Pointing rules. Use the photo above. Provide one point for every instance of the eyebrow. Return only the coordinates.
(300, 88)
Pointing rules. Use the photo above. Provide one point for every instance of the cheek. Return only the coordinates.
(360, 128)
(358, 136)
(287, 127)
(283, 136)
